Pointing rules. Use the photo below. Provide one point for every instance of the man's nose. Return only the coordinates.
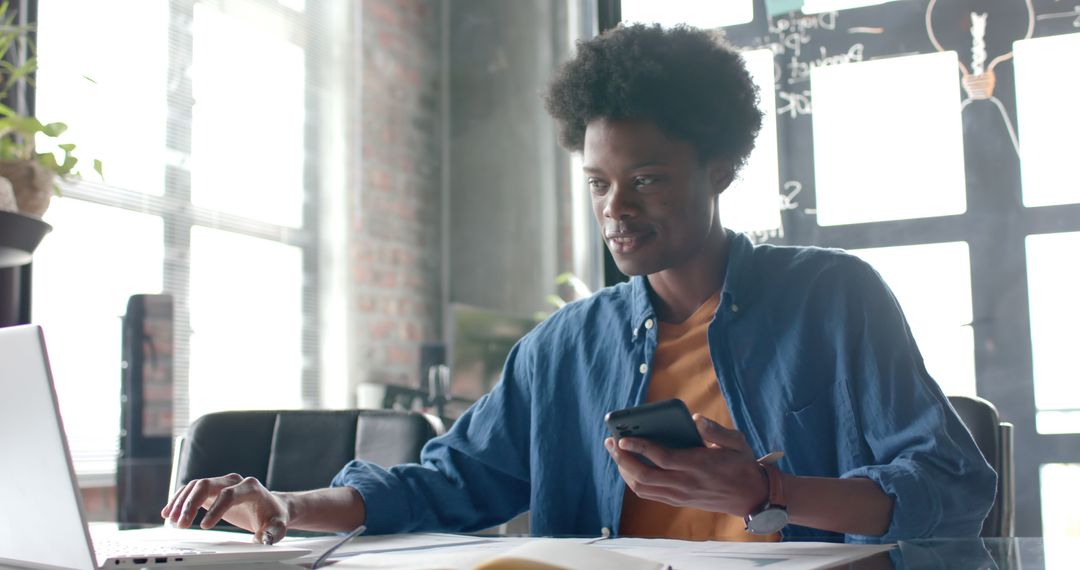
(620, 203)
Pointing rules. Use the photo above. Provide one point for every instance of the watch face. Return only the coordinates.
(768, 521)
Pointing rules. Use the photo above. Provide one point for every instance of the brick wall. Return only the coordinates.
(100, 503)
(395, 247)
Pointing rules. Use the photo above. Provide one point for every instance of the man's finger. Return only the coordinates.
(167, 512)
(181, 499)
(674, 496)
(713, 432)
(630, 466)
(168, 506)
(226, 499)
(199, 493)
(658, 454)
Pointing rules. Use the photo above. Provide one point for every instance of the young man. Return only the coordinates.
(799, 350)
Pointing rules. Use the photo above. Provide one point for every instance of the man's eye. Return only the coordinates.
(595, 184)
(644, 180)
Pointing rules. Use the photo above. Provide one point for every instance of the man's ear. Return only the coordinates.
(721, 174)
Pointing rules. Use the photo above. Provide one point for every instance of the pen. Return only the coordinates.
(325, 555)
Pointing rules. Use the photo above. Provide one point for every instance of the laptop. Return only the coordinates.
(42, 521)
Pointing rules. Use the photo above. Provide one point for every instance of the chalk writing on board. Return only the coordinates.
(979, 82)
(783, 43)
(789, 34)
(1075, 13)
(800, 70)
(794, 104)
(877, 30)
(787, 197)
(762, 236)
(802, 24)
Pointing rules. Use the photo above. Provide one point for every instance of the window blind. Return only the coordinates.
(205, 115)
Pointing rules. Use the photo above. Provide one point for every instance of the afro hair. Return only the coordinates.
(692, 86)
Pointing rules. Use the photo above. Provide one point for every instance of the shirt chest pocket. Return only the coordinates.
(807, 422)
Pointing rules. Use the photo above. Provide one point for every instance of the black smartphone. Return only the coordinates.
(667, 423)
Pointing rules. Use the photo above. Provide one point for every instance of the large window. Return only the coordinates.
(205, 115)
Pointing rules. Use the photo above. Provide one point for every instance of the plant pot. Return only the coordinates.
(33, 185)
(19, 237)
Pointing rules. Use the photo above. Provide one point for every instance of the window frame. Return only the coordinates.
(179, 214)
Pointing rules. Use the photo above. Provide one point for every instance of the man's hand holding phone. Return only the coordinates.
(720, 475)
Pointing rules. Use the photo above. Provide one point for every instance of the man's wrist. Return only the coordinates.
(763, 490)
(287, 500)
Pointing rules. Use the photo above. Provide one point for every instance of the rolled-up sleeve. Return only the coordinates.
(473, 477)
(923, 456)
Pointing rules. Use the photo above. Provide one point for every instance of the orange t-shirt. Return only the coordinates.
(682, 368)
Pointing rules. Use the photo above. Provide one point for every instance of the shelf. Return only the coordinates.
(19, 237)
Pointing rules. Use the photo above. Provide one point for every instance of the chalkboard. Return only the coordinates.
(995, 223)
(906, 27)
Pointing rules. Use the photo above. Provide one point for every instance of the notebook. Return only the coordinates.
(42, 521)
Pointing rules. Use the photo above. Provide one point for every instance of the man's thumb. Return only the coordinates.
(271, 532)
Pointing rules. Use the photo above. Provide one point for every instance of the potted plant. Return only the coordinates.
(33, 175)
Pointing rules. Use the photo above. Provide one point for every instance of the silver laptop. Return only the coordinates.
(42, 521)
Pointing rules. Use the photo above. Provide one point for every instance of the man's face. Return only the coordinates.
(651, 195)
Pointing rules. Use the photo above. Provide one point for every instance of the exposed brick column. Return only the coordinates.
(395, 250)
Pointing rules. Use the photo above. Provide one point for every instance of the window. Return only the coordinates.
(76, 299)
(938, 311)
(872, 159)
(752, 198)
(1048, 165)
(206, 117)
(1055, 310)
(1059, 496)
(692, 12)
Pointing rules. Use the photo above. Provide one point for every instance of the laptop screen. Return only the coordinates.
(41, 521)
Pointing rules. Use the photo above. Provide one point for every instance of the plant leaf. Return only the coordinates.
(55, 130)
(556, 300)
(98, 168)
(48, 161)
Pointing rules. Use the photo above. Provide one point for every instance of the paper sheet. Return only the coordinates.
(681, 555)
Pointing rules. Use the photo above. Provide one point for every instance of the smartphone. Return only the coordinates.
(667, 423)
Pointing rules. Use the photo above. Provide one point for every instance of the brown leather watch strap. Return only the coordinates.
(776, 485)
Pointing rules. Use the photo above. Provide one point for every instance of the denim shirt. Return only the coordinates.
(813, 356)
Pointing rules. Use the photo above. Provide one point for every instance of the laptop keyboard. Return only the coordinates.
(104, 549)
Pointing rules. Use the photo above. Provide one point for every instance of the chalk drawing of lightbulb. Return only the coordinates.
(1014, 20)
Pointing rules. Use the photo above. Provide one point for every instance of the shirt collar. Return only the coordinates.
(740, 250)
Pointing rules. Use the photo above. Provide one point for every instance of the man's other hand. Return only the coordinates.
(723, 476)
(242, 501)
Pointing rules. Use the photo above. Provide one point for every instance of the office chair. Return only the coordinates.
(297, 450)
(995, 439)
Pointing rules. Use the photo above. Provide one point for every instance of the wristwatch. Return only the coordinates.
(772, 515)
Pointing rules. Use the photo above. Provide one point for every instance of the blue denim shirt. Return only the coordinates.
(814, 358)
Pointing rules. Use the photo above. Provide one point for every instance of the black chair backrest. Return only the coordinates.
(994, 439)
(298, 450)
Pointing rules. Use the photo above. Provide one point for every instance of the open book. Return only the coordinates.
(562, 555)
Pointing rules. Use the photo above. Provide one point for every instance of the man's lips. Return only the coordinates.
(624, 243)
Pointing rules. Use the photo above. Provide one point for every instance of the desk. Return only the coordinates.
(977, 554)
(943, 554)
(937, 554)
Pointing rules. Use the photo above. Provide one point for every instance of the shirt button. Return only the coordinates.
(648, 324)
(734, 308)
(605, 532)
(643, 368)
